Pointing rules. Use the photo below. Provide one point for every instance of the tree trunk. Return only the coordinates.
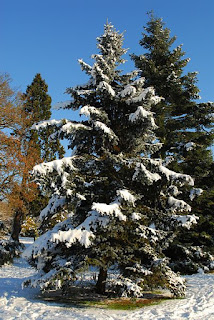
(17, 225)
(101, 282)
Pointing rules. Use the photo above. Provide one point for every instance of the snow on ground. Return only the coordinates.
(17, 303)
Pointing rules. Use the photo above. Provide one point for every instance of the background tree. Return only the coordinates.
(22, 148)
(37, 107)
(10, 106)
(120, 203)
(5, 219)
(185, 127)
(17, 156)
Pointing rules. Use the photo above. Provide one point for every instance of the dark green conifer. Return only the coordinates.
(185, 127)
(37, 107)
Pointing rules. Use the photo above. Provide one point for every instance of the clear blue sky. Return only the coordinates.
(48, 36)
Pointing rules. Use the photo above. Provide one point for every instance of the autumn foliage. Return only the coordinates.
(18, 155)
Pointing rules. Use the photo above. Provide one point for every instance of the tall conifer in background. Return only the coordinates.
(185, 127)
(37, 107)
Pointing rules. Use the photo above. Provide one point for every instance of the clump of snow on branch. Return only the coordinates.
(109, 132)
(128, 91)
(64, 125)
(46, 123)
(189, 146)
(55, 165)
(136, 216)
(195, 192)
(54, 203)
(127, 196)
(178, 205)
(173, 190)
(71, 236)
(143, 95)
(141, 169)
(70, 126)
(82, 233)
(84, 66)
(89, 110)
(109, 209)
(41, 244)
(172, 175)
(186, 221)
(104, 86)
(142, 114)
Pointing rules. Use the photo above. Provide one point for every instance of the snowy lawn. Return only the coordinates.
(18, 303)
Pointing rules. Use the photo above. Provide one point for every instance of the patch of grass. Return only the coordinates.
(82, 298)
(124, 303)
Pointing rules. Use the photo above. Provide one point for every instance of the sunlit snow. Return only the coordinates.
(17, 303)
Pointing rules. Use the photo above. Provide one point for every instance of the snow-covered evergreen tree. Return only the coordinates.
(121, 205)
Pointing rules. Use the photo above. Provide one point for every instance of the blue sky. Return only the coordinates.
(48, 36)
